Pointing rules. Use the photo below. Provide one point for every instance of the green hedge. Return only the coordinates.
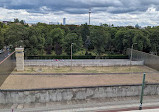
(79, 57)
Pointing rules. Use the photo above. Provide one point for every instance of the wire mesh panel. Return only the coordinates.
(7, 65)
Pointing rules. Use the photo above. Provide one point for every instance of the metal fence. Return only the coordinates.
(149, 59)
(7, 65)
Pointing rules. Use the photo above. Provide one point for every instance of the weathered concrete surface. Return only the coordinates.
(82, 62)
(74, 94)
(149, 59)
(93, 105)
(6, 66)
(19, 59)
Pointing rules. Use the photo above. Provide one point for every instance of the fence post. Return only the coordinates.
(19, 59)
(142, 92)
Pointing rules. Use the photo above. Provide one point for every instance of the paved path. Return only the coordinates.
(147, 110)
(84, 73)
(107, 105)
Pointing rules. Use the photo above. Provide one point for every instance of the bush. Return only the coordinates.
(79, 57)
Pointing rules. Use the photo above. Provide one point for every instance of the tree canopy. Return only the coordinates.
(44, 39)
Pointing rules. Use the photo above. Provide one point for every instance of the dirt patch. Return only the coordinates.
(55, 81)
(125, 76)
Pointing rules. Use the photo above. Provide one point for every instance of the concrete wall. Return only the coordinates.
(149, 59)
(71, 94)
(82, 62)
(19, 59)
(7, 66)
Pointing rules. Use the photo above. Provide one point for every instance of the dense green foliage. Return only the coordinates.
(44, 39)
(79, 57)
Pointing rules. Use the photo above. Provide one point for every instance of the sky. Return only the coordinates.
(117, 12)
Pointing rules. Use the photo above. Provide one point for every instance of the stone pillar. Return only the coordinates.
(19, 59)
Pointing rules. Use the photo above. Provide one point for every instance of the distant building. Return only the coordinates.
(53, 23)
(6, 22)
(64, 21)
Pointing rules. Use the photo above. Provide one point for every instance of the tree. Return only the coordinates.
(100, 39)
(15, 35)
(68, 40)
(1, 40)
(48, 45)
(137, 26)
(88, 45)
(16, 20)
(35, 41)
(35, 45)
(1, 25)
(22, 22)
(43, 31)
(112, 44)
(105, 25)
(85, 32)
(143, 42)
(56, 36)
(42, 38)
(154, 40)
(123, 39)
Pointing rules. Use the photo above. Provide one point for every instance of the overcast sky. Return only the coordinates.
(117, 12)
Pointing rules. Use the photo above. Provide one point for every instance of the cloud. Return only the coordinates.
(80, 6)
(117, 12)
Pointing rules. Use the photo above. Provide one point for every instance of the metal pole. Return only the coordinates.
(132, 47)
(142, 92)
(71, 56)
(131, 54)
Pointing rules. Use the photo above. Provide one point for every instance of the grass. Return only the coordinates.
(114, 69)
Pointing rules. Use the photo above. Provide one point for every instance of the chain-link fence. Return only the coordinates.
(149, 59)
(7, 65)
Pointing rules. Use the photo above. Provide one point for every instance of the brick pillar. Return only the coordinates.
(19, 59)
